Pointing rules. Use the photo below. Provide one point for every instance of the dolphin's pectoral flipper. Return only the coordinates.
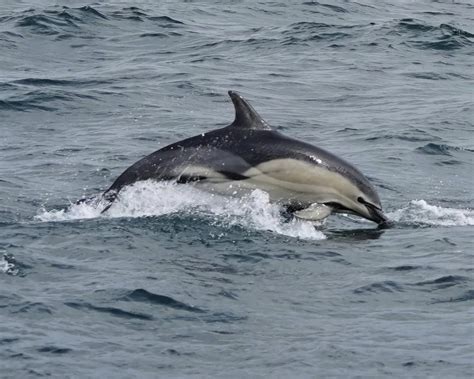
(233, 175)
(183, 179)
(218, 176)
(87, 200)
(109, 196)
(315, 212)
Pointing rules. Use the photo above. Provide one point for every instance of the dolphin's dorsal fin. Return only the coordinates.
(245, 116)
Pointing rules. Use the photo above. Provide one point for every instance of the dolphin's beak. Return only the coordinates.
(378, 216)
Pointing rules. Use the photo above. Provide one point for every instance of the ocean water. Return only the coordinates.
(174, 282)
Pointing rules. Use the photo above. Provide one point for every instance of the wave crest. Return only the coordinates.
(420, 212)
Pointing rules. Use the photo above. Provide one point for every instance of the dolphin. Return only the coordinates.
(249, 154)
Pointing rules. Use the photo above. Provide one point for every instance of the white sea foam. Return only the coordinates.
(7, 266)
(420, 212)
(253, 211)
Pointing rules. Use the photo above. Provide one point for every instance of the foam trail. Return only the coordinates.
(74, 212)
(148, 198)
(420, 212)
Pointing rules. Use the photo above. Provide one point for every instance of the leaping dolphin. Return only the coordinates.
(248, 154)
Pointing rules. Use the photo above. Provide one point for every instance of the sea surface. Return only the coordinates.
(178, 283)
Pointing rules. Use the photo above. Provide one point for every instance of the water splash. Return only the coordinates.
(148, 198)
(420, 212)
(7, 265)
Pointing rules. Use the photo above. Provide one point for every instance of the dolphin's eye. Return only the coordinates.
(361, 200)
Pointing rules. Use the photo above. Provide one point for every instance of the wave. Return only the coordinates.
(55, 21)
(46, 20)
(301, 32)
(419, 212)
(440, 149)
(148, 198)
(112, 311)
(466, 296)
(37, 98)
(441, 286)
(424, 36)
(253, 211)
(21, 105)
(333, 8)
(442, 282)
(404, 32)
(49, 82)
(48, 94)
(378, 287)
(178, 310)
(88, 10)
(141, 15)
(42, 24)
(142, 295)
(53, 350)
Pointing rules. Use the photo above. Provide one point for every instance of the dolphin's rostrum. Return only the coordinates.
(248, 154)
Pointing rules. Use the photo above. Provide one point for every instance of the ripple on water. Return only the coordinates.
(54, 350)
(183, 312)
(34, 307)
(8, 340)
(441, 282)
(433, 37)
(440, 149)
(142, 295)
(379, 287)
(48, 82)
(46, 99)
(112, 311)
(466, 296)
(324, 6)
(407, 268)
(441, 287)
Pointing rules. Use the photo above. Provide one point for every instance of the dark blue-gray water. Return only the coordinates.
(176, 283)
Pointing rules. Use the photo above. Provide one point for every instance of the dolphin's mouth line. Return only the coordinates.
(375, 212)
(378, 216)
